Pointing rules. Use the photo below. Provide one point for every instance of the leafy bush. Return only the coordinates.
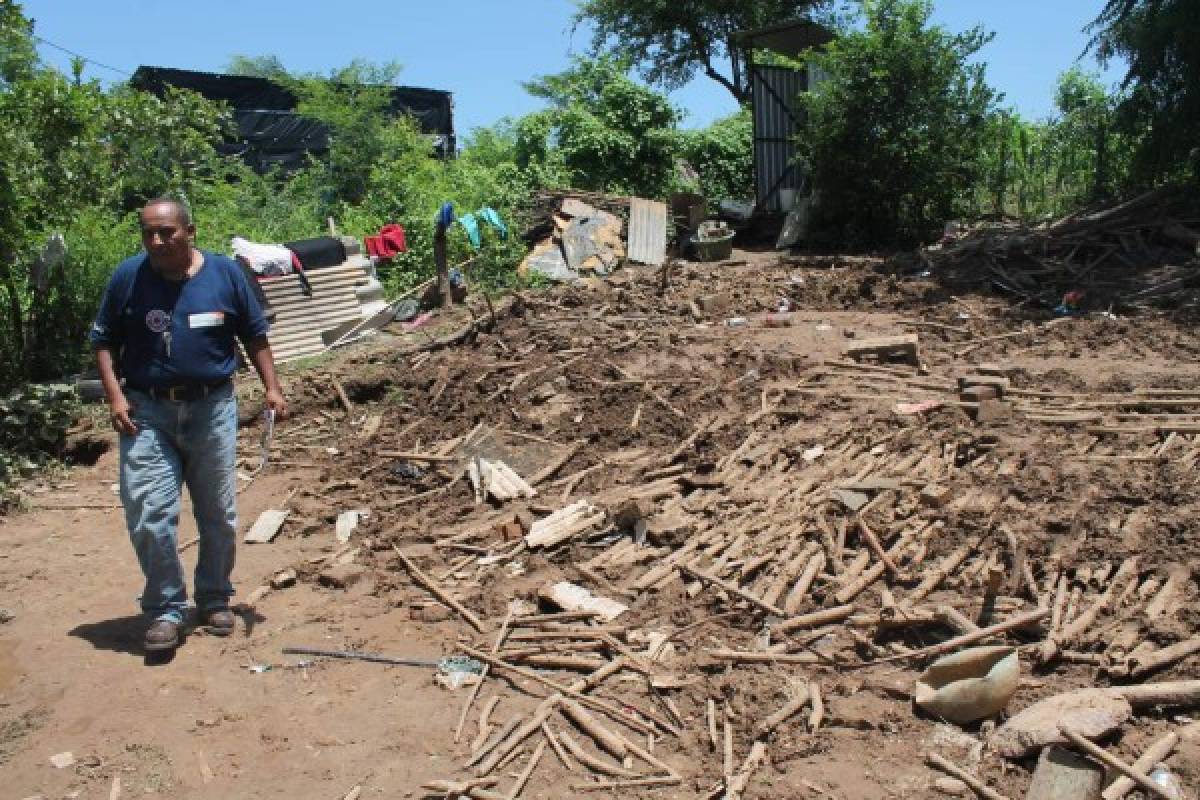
(723, 156)
(77, 158)
(893, 138)
(33, 425)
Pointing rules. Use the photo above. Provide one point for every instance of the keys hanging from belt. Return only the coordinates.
(167, 342)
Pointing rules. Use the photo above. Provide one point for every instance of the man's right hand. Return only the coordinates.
(121, 421)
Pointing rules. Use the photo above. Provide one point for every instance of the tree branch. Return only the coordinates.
(738, 94)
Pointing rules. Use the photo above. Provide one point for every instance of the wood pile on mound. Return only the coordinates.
(1139, 252)
(745, 581)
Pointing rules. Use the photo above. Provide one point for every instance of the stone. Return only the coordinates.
(1063, 774)
(283, 579)
(1091, 712)
(887, 348)
(935, 496)
(342, 576)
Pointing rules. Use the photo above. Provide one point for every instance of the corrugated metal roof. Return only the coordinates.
(301, 318)
(647, 231)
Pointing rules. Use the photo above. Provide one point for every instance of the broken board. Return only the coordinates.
(887, 348)
(266, 526)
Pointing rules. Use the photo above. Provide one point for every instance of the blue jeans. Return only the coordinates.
(193, 443)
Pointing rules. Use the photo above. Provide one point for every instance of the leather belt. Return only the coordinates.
(185, 392)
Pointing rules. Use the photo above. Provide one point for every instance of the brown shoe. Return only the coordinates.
(218, 621)
(162, 635)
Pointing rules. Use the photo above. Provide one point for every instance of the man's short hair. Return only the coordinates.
(182, 212)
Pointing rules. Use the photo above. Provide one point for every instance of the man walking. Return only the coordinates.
(168, 322)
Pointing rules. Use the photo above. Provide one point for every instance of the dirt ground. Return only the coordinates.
(735, 437)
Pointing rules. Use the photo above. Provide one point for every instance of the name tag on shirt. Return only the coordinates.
(209, 319)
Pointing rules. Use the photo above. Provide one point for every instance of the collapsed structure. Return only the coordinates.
(716, 560)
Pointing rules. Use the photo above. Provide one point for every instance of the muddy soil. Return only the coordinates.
(726, 422)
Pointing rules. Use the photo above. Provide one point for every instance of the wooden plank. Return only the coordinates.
(882, 345)
(647, 231)
(266, 526)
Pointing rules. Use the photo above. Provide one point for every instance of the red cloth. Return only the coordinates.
(388, 243)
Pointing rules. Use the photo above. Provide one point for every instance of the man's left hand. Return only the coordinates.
(276, 403)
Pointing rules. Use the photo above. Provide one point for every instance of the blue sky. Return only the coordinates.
(482, 49)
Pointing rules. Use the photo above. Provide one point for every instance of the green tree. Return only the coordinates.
(672, 40)
(75, 153)
(894, 137)
(265, 66)
(602, 131)
(1160, 39)
(354, 102)
(723, 156)
(1090, 154)
(1075, 158)
(18, 58)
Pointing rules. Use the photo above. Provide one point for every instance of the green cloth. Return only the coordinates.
(488, 215)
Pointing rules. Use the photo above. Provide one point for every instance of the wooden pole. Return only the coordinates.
(1103, 756)
(591, 702)
(979, 787)
(1019, 621)
(1155, 753)
(732, 588)
(437, 591)
(462, 718)
(443, 270)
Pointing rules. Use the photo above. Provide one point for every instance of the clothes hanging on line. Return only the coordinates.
(388, 243)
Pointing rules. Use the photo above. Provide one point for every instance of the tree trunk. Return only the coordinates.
(443, 271)
(16, 326)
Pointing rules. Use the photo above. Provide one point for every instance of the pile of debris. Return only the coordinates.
(1143, 250)
(585, 240)
(578, 234)
(689, 583)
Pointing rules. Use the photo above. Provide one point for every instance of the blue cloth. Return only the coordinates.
(445, 217)
(471, 226)
(492, 217)
(192, 443)
(170, 333)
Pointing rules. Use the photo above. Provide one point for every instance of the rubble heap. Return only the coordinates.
(1125, 256)
(693, 560)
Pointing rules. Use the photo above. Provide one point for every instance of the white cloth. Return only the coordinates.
(264, 259)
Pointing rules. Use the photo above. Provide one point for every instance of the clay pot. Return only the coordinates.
(969, 685)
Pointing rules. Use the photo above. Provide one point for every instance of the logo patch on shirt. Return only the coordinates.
(209, 319)
(158, 320)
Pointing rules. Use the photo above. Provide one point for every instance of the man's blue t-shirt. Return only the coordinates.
(171, 333)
